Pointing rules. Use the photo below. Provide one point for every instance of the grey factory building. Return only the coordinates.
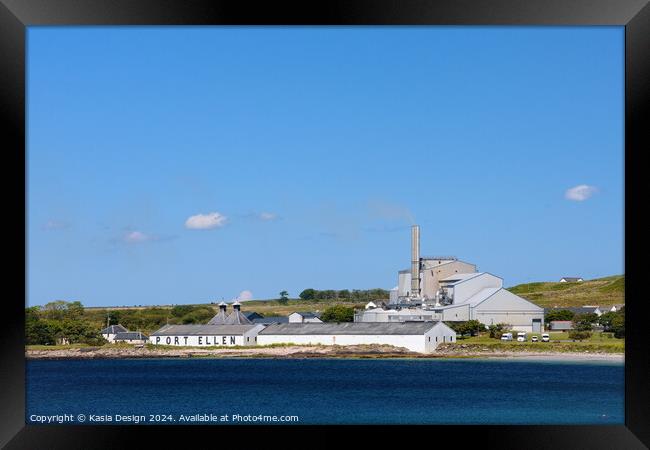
(444, 288)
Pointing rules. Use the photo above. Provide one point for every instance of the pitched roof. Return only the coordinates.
(219, 318)
(130, 336)
(250, 315)
(271, 319)
(113, 329)
(481, 295)
(308, 314)
(571, 278)
(203, 330)
(462, 276)
(237, 318)
(354, 328)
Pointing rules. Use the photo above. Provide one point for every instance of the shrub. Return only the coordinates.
(577, 335)
(338, 313)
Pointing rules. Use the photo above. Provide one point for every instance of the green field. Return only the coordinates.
(599, 342)
(600, 291)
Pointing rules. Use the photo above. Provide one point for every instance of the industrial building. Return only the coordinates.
(206, 335)
(444, 288)
(422, 337)
(418, 336)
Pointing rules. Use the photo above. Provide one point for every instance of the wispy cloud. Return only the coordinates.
(206, 221)
(245, 295)
(580, 193)
(264, 216)
(268, 216)
(135, 237)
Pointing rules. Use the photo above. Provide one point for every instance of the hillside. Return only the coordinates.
(600, 291)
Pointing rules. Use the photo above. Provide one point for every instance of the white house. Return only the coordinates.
(570, 280)
(304, 317)
(422, 337)
(111, 331)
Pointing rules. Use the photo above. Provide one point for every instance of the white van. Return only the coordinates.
(521, 336)
(506, 337)
(546, 337)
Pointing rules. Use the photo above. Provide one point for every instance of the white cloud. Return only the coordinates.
(205, 221)
(245, 295)
(268, 216)
(580, 193)
(134, 237)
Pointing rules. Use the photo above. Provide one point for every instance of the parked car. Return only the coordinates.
(546, 337)
(506, 337)
(521, 336)
(534, 339)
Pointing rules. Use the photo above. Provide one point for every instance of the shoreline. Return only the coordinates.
(311, 352)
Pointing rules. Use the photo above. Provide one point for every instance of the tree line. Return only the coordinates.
(612, 322)
(345, 294)
(61, 321)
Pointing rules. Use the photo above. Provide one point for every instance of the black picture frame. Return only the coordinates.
(16, 15)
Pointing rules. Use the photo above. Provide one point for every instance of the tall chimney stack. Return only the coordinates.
(415, 261)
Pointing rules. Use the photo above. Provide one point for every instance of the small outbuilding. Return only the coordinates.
(422, 337)
(571, 279)
(560, 325)
(304, 317)
(111, 331)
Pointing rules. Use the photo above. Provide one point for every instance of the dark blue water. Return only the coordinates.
(328, 391)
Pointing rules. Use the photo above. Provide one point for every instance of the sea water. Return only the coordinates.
(323, 391)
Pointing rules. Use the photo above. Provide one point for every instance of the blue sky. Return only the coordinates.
(183, 165)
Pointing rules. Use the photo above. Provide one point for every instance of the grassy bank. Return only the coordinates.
(600, 291)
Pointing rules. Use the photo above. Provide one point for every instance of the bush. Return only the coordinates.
(618, 326)
(338, 313)
(471, 327)
(497, 330)
(577, 335)
(561, 314)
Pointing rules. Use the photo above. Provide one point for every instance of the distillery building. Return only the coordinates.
(447, 289)
(422, 337)
(206, 335)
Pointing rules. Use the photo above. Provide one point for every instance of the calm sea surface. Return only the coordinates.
(325, 391)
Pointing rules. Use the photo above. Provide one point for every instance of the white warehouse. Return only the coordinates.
(422, 337)
(206, 335)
